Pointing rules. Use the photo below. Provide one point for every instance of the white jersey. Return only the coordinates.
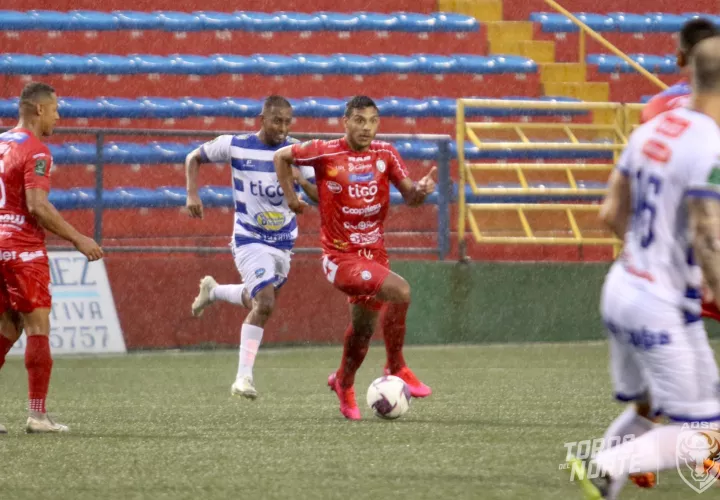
(671, 157)
(261, 212)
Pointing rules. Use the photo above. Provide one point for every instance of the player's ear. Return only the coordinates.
(681, 59)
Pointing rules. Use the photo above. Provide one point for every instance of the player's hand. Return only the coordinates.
(297, 205)
(194, 206)
(89, 248)
(427, 184)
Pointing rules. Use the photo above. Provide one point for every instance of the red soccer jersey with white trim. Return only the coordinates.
(354, 190)
(674, 97)
(25, 163)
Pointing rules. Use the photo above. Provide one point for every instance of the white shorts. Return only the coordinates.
(261, 265)
(655, 352)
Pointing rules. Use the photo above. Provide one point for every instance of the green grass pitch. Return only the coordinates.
(163, 426)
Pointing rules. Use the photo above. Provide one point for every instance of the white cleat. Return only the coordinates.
(42, 423)
(3, 429)
(207, 285)
(244, 387)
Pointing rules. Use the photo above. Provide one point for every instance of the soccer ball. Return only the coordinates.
(389, 397)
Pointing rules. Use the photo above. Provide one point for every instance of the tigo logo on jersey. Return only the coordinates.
(367, 193)
(272, 192)
(271, 221)
(334, 187)
(380, 165)
(362, 177)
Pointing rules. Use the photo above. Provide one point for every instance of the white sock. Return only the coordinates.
(629, 423)
(228, 293)
(654, 451)
(250, 338)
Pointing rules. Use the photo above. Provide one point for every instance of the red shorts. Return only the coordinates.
(710, 310)
(358, 274)
(24, 281)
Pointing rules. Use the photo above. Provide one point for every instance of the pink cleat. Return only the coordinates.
(348, 405)
(417, 388)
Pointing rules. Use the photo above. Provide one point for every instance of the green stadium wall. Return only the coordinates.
(452, 303)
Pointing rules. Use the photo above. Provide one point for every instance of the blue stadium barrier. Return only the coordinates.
(238, 21)
(315, 107)
(652, 22)
(264, 64)
(558, 23)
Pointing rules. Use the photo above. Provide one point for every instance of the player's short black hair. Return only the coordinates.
(706, 65)
(695, 31)
(359, 102)
(276, 101)
(35, 90)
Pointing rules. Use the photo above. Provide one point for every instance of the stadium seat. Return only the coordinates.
(133, 20)
(558, 23)
(51, 20)
(180, 21)
(90, 20)
(614, 64)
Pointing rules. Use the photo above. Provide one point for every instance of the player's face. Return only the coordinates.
(48, 113)
(276, 124)
(361, 127)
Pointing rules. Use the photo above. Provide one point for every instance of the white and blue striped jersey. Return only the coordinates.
(674, 156)
(261, 212)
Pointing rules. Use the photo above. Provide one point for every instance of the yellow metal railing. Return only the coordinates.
(536, 223)
(582, 51)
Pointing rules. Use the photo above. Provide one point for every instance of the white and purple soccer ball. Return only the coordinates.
(389, 397)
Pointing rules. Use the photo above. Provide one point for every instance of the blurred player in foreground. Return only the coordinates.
(264, 232)
(664, 199)
(25, 300)
(353, 181)
(692, 33)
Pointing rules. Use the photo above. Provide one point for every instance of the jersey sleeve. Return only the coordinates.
(37, 170)
(397, 171)
(305, 153)
(217, 150)
(654, 107)
(704, 177)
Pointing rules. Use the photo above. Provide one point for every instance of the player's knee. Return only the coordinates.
(403, 292)
(264, 304)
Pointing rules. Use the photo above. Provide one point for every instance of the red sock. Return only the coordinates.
(38, 362)
(394, 335)
(354, 351)
(5, 346)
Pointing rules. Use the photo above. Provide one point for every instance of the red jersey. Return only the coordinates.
(354, 190)
(25, 163)
(674, 97)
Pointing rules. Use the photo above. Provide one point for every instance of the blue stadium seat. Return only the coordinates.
(632, 23)
(24, 64)
(353, 64)
(106, 64)
(299, 21)
(59, 153)
(515, 64)
(270, 64)
(379, 22)
(316, 64)
(260, 21)
(448, 21)
(220, 21)
(163, 107)
(404, 107)
(12, 20)
(322, 107)
(94, 21)
(614, 64)
(170, 152)
(337, 21)
(8, 107)
(230, 63)
(436, 64)
(558, 23)
(79, 153)
(148, 63)
(193, 65)
(242, 108)
(470, 63)
(203, 106)
(69, 63)
(50, 20)
(390, 63)
(666, 23)
(442, 107)
(216, 196)
(646, 98)
(172, 196)
(417, 150)
(129, 152)
(75, 107)
(180, 21)
(114, 107)
(132, 197)
(134, 20)
(300, 106)
(414, 22)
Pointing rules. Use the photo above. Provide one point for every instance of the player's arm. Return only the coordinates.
(49, 218)
(283, 161)
(615, 210)
(217, 150)
(704, 213)
(414, 193)
(305, 184)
